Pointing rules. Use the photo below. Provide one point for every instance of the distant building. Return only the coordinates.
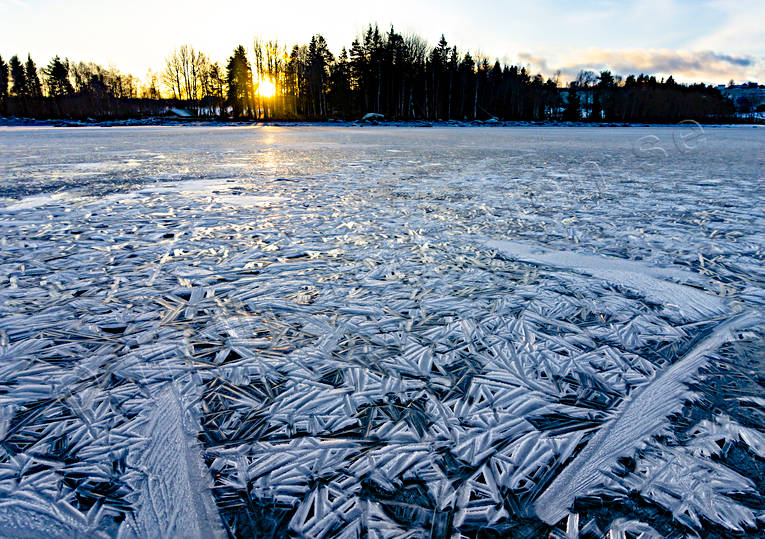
(747, 98)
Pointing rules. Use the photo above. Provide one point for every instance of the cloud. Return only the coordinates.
(740, 28)
(707, 66)
(537, 63)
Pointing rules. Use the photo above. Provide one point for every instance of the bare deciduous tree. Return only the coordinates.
(187, 74)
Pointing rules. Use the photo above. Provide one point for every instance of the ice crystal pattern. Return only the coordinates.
(352, 352)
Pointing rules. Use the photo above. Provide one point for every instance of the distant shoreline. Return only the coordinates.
(175, 122)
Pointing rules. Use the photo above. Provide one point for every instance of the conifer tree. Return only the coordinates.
(572, 114)
(34, 88)
(3, 80)
(340, 83)
(18, 77)
(57, 78)
(319, 61)
(239, 75)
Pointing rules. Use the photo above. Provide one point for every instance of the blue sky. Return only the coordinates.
(705, 40)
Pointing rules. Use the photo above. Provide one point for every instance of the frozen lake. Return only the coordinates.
(382, 330)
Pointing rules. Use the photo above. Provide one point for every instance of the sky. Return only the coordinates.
(710, 41)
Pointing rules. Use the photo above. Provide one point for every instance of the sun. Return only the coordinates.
(267, 88)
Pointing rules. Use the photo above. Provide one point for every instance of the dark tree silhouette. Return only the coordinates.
(57, 78)
(340, 94)
(216, 96)
(605, 95)
(572, 112)
(239, 78)
(18, 77)
(396, 75)
(319, 61)
(34, 88)
(4, 74)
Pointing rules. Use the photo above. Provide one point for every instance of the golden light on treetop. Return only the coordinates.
(266, 88)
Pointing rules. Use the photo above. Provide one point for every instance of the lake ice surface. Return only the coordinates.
(336, 331)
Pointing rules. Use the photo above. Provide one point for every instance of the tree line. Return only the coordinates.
(65, 89)
(395, 75)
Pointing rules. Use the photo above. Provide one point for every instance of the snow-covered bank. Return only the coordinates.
(193, 122)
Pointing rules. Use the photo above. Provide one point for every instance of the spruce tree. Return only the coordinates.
(57, 78)
(239, 74)
(359, 68)
(319, 60)
(572, 114)
(3, 80)
(34, 88)
(18, 77)
(340, 82)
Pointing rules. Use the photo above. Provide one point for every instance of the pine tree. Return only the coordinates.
(34, 88)
(605, 95)
(217, 86)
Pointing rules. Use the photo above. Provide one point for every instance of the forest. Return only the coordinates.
(399, 76)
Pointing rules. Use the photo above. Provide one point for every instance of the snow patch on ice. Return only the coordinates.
(174, 496)
(653, 283)
(35, 201)
(249, 201)
(190, 186)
